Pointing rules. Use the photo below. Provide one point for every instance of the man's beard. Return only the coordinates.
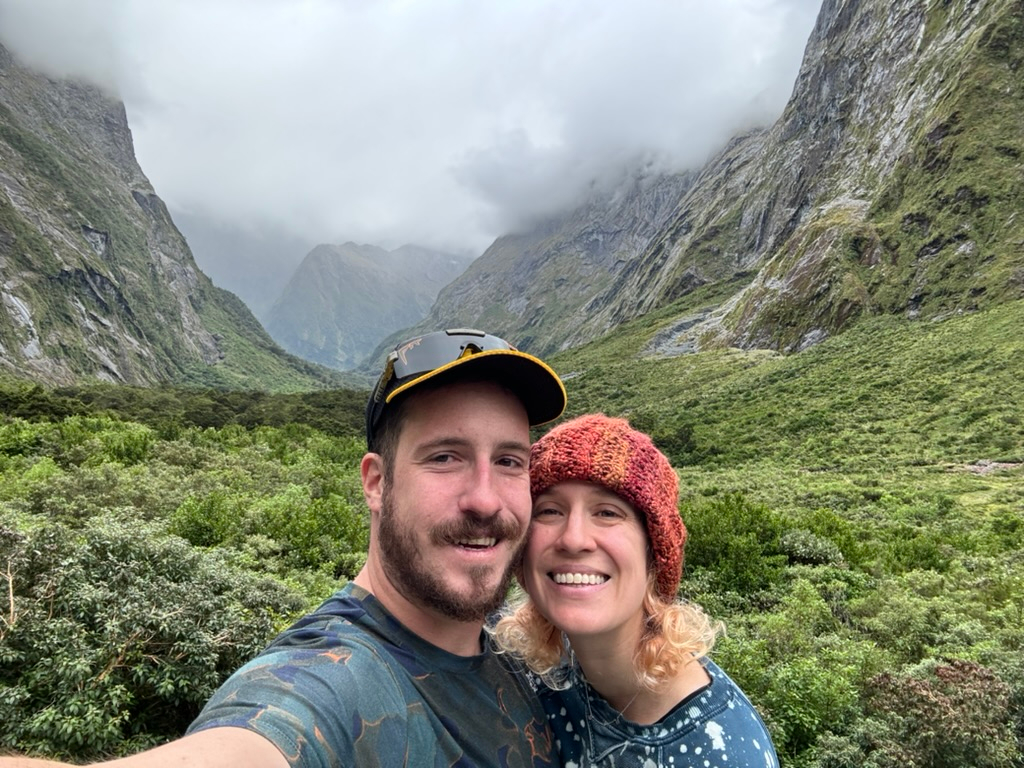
(403, 564)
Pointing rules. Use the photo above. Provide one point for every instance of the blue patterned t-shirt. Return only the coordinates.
(715, 727)
(348, 685)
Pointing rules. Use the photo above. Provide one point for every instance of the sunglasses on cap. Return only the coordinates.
(421, 356)
(435, 350)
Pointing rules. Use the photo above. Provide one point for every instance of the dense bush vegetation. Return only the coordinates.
(140, 566)
(118, 634)
(337, 412)
(856, 517)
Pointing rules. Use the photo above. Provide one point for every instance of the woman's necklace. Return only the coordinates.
(589, 693)
(592, 756)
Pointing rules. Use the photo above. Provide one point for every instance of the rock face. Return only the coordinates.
(96, 283)
(533, 286)
(891, 183)
(343, 299)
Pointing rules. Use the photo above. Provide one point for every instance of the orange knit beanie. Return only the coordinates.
(609, 452)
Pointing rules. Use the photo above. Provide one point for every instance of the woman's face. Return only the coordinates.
(586, 562)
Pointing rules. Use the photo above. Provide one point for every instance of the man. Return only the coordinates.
(391, 670)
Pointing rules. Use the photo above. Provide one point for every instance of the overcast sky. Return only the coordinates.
(440, 122)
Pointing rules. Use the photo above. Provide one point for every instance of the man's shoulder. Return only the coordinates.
(337, 648)
(345, 619)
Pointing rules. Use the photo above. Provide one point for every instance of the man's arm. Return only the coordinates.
(212, 748)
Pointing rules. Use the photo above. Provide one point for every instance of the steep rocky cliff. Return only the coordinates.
(891, 183)
(343, 298)
(96, 283)
(531, 286)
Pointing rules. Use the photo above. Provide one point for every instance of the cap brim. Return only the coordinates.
(529, 378)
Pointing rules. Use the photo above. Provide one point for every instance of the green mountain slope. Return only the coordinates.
(884, 394)
(97, 283)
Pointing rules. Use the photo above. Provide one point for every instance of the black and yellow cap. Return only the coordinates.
(461, 352)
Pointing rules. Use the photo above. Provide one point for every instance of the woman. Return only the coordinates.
(624, 667)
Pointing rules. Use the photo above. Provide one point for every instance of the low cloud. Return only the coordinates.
(444, 123)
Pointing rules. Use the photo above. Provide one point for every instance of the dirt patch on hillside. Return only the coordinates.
(987, 466)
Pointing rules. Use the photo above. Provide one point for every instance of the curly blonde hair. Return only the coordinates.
(675, 634)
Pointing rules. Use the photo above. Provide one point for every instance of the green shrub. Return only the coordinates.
(806, 697)
(738, 540)
(205, 521)
(313, 532)
(806, 548)
(115, 637)
(847, 536)
(126, 443)
(912, 548)
(673, 434)
(1009, 528)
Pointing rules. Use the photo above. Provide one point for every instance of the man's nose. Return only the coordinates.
(480, 497)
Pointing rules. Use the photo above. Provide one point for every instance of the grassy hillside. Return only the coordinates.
(886, 394)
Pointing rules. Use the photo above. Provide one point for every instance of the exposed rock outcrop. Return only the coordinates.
(891, 183)
(532, 286)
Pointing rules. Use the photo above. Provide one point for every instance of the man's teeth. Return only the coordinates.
(579, 578)
(489, 541)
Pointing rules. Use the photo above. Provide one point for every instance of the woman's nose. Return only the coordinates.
(576, 535)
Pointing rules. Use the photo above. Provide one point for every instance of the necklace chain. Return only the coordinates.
(589, 693)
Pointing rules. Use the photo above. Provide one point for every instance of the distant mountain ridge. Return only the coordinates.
(96, 283)
(344, 298)
(891, 184)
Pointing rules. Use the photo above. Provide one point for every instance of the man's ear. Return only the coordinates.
(372, 471)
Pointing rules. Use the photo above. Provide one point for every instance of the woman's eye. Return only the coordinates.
(545, 512)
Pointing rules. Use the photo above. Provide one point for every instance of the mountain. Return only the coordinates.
(532, 285)
(97, 282)
(344, 298)
(890, 184)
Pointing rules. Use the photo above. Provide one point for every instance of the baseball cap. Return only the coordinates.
(459, 352)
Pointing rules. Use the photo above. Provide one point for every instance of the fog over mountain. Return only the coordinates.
(256, 263)
(442, 124)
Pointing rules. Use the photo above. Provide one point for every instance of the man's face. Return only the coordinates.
(454, 517)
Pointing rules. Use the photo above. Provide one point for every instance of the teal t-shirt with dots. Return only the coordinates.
(715, 727)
